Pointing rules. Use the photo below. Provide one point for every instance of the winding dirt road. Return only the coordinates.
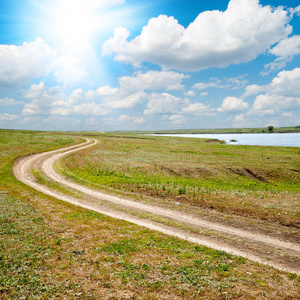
(107, 204)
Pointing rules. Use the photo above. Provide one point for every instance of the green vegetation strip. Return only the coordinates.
(219, 130)
(261, 182)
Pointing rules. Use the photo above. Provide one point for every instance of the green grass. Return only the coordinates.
(53, 250)
(259, 181)
(217, 130)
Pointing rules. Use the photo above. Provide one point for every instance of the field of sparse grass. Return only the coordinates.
(261, 182)
(53, 250)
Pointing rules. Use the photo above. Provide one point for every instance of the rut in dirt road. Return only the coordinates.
(46, 161)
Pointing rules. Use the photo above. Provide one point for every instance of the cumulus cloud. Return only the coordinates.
(285, 50)
(20, 64)
(269, 104)
(205, 85)
(240, 118)
(8, 117)
(177, 119)
(124, 118)
(104, 91)
(190, 93)
(131, 90)
(287, 47)
(215, 39)
(152, 80)
(52, 101)
(129, 101)
(253, 89)
(164, 104)
(232, 83)
(233, 105)
(9, 102)
(90, 109)
(137, 120)
(286, 84)
(281, 95)
(199, 109)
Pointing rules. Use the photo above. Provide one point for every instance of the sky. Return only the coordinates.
(149, 65)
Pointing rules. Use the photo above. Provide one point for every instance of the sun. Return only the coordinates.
(74, 23)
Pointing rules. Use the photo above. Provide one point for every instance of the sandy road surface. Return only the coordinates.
(46, 160)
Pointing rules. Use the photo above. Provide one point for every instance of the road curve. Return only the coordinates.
(46, 160)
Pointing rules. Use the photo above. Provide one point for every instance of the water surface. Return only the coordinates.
(263, 139)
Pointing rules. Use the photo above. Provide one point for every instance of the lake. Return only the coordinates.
(263, 139)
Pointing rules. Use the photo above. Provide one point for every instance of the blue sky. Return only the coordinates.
(149, 65)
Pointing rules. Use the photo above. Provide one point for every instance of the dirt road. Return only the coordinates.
(264, 249)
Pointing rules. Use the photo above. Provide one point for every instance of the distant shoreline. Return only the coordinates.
(294, 129)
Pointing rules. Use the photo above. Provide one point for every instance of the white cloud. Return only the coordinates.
(109, 121)
(20, 64)
(270, 104)
(215, 39)
(139, 120)
(253, 90)
(164, 103)
(190, 94)
(124, 118)
(239, 121)
(105, 91)
(204, 94)
(54, 120)
(287, 47)
(90, 109)
(199, 109)
(53, 102)
(32, 119)
(177, 119)
(285, 50)
(152, 80)
(287, 114)
(9, 102)
(240, 118)
(127, 102)
(295, 11)
(281, 95)
(42, 99)
(232, 83)
(8, 117)
(233, 105)
(236, 82)
(205, 85)
(35, 91)
(131, 90)
(286, 83)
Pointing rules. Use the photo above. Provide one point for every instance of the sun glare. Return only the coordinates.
(74, 23)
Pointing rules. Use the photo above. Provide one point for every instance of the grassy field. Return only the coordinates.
(261, 182)
(53, 250)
